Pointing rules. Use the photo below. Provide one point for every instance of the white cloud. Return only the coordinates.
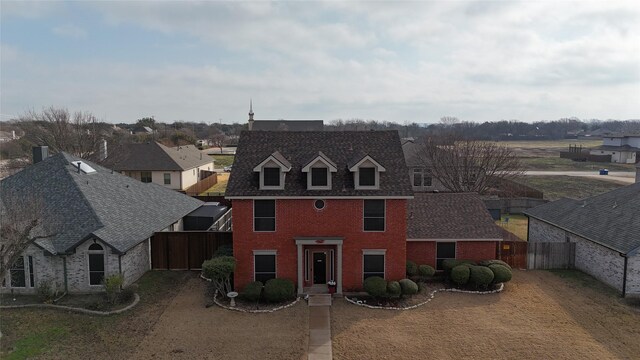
(70, 31)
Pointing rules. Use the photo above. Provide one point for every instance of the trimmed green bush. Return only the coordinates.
(112, 286)
(449, 264)
(480, 276)
(223, 250)
(375, 286)
(412, 268)
(218, 267)
(276, 290)
(252, 291)
(494, 261)
(460, 274)
(426, 270)
(394, 289)
(408, 287)
(501, 273)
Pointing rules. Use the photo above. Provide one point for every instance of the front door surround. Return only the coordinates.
(320, 241)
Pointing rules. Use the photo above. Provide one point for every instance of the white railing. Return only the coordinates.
(224, 223)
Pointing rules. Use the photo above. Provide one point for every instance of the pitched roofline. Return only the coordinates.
(363, 159)
(319, 196)
(456, 239)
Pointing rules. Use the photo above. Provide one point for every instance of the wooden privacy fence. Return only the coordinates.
(186, 250)
(513, 253)
(548, 255)
(202, 185)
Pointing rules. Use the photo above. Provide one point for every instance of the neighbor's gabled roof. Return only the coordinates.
(117, 209)
(611, 219)
(450, 216)
(298, 147)
(287, 125)
(153, 156)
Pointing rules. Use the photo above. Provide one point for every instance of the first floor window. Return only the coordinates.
(264, 267)
(374, 215)
(264, 215)
(31, 279)
(96, 264)
(167, 178)
(17, 272)
(444, 250)
(145, 176)
(373, 265)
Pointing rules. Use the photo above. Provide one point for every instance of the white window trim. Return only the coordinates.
(313, 164)
(382, 252)
(270, 187)
(265, 252)
(355, 169)
(104, 259)
(385, 217)
(275, 217)
(164, 178)
(27, 279)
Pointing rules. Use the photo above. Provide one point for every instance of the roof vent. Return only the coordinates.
(584, 204)
(615, 204)
(84, 167)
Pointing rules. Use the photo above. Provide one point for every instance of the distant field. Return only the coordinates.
(517, 224)
(558, 164)
(546, 148)
(223, 160)
(556, 187)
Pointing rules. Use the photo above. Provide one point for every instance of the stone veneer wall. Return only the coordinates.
(78, 267)
(44, 268)
(135, 262)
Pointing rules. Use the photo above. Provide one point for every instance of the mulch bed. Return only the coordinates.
(240, 302)
(96, 302)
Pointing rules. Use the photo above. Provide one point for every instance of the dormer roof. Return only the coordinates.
(322, 158)
(355, 162)
(276, 157)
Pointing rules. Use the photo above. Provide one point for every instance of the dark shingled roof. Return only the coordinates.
(287, 125)
(119, 210)
(154, 156)
(300, 146)
(455, 216)
(611, 219)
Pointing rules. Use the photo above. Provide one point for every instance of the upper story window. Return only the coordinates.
(145, 176)
(319, 171)
(366, 173)
(421, 178)
(264, 215)
(167, 178)
(272, 171)
(374, 215)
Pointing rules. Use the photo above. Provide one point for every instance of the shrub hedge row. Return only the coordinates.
(378, 287)
(275, 290)
(480, 275)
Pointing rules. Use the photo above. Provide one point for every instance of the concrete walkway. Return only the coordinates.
(319, 327)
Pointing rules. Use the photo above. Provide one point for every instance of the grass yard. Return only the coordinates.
(220, 187)
(516, 225)
(546, 148)
(556, 187)
(558, 164)
(538, 316)
(221, 161)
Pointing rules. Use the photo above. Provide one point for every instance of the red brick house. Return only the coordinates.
(319, 206)
(449, 225)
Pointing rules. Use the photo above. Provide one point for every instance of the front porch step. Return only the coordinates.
(319, 300)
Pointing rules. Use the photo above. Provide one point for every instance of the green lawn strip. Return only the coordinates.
(556, 187)
(223, 160)
(37, 343)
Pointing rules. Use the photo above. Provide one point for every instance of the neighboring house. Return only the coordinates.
(8, 136)
(622, 148)
(449, 226)
(143, 130)
(420, 174)
(638, 172)
(606, 230)
(283, 125)
(319, 206)
(102, 223)
(175, 168)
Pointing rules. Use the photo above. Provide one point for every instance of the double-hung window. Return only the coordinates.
(145, 176)
(373, 264)
(264, 215)
(167, 178)
(319, 176)
(374, 215)
(367, 176)
(264, 263)
(418, 179)
(18, 272)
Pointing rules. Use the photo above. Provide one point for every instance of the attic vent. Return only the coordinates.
(84, 167)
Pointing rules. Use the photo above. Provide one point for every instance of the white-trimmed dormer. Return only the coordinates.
(366, 173)
(319, 171)
(272, 171)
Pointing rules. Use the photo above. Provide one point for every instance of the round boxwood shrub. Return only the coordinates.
(426, 270)
(276, 290)
(408, 287)
(252, 291)
(448, 264)
(394, 289)
(480, 276)
(494, 261)
(375, 286)
(460, 274)
(501, 273)
(412, 268)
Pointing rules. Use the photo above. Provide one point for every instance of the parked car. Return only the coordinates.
(227, 168)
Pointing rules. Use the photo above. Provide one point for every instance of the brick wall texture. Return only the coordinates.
(424, 252)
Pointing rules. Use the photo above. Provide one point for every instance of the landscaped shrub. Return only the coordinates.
(460, 274)
(412, 268)
(112, 286)
(408, 287)
(223, 250)
(494, 261)
(252, 291)
(394, 289)
(276, 290)
(219, 270)
(375, 286)
(480, 276)
(125, 296)
(501, 273)
(448, 264)
(46, 291)
(426, 270)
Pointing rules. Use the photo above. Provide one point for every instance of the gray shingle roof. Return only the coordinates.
(287, 125)
(154, 156)
(300, 146)
(455, 216)
(119, 210)
(611, 219)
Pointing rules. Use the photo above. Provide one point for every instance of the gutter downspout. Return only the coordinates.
(64, 266)
(624, 276)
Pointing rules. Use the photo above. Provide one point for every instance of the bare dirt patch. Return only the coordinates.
(538, 316)
(188, 330)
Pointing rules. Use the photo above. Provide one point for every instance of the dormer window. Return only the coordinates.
(272, 171)
(366, 173)
(319, 170)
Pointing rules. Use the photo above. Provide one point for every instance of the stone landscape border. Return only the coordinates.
(135, 302)
(431, 296)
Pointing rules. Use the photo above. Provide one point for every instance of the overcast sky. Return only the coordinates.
(409, 61)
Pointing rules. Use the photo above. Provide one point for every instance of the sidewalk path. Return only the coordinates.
(320, 328)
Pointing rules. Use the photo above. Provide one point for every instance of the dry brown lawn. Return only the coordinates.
(539, 316)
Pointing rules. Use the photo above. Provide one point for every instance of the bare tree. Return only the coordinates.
(23, 221)
(217, 138)
(468, 165)
(449, 120)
